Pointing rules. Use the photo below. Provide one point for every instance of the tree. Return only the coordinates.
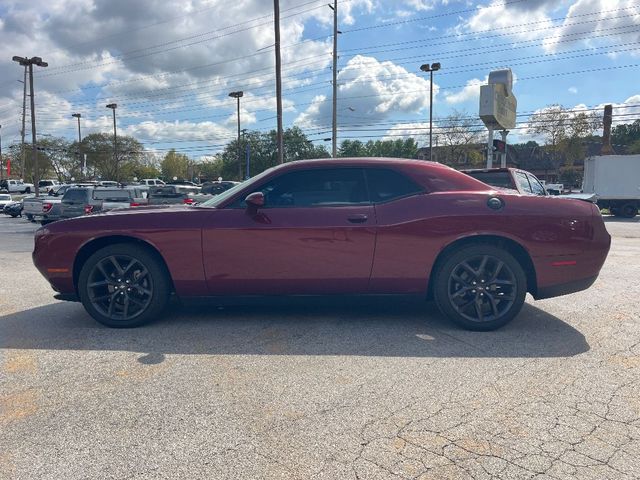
(101, 160)
(175, 165)
(262, 151)
(628, 135)
(570, 176)
(564, 132)
(352, 148)
(459, 138)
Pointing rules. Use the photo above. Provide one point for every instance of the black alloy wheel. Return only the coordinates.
(480, 287)
(123, 286)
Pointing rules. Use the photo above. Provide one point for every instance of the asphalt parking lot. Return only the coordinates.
(320, 392)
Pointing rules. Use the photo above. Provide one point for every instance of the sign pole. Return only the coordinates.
(490, 148)
(503, 160)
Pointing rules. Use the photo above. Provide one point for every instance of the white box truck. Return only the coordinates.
(615, 179)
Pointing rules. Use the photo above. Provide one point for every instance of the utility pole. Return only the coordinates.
(238, 95)
(24, 114)
(279, 134)
(1, 162)
(334, 120)
(78, 116)
(30, 62)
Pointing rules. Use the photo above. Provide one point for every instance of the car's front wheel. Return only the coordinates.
(480, 287)
(123, 286)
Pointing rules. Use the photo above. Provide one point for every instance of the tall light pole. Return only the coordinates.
(78, 116)
(434, 67)
(334, 114)
(238, 95)
(30, 62)
(113, 107)
(279, 133)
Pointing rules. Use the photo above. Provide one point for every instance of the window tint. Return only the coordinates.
(521, 178)
(386, 184)
(536, 186)
(75, 195)
(118, 195)
(316, 188)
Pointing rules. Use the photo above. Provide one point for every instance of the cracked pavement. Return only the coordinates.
(382, 391)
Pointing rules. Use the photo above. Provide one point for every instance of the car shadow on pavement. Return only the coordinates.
(389, 329)
(612, 219)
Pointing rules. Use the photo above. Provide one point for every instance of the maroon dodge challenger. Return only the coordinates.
(332, 227)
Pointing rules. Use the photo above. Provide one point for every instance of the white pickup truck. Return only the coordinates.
(16, 186)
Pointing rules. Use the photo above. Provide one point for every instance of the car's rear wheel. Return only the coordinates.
(123, 286)
(480, 287)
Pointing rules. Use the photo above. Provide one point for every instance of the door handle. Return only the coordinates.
(358, 218)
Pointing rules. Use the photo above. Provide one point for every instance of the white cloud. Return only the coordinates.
(371, 89)
(573, 90)
(471, 91)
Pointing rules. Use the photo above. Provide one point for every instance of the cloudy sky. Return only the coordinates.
(170, 64)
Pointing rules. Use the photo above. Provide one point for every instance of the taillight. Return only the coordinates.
(188, 201)
(46, 207)
(134, 204)
(88, 209)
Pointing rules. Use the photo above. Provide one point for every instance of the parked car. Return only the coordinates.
(47, 185)
(523, 182)
(5, 199)
(184, 182)
(175, 194)
(14, 209)
(16, 186)
(332, 227)
(215, 188)
(151, 182)
(78, 201)
(42, 208)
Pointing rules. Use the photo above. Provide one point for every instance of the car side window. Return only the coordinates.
(536, 186)
(523, 182)
(386, 184)
(314, 188)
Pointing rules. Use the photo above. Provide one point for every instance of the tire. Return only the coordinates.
(124, 297)
(615, 211)
(493, 300)
(30, 217)
(628, 210)
(27, 190)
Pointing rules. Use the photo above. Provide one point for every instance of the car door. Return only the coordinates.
(314, 235)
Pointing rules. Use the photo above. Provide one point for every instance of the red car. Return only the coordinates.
(332, 227)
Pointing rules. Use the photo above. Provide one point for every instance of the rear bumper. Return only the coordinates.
(564, 288)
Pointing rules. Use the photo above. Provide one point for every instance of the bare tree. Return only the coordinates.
(458, 138)
(563, 131)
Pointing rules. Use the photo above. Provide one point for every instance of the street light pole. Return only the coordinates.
(238, 95)
(334, 115)
(30, 62)
(434, 67)
(279, 133)
(113, 107)
(80, 157)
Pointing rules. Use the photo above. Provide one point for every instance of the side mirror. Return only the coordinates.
(255, 200)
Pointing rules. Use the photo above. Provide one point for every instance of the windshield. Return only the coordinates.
(5, 197)
(495, 179)
(219, 199)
